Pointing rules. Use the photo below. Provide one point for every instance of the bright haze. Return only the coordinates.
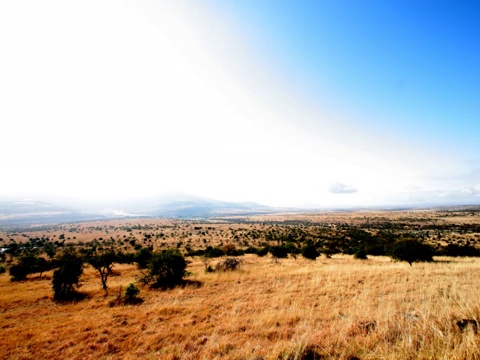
(284, 103)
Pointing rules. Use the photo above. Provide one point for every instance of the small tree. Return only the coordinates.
(411, 250)
(50, 250)
(292, 249)
(142, 257)
(18, 272)
(103, 263)
(207, 263)
(360, 254)
(263, 251)
(166, 268)
(67, 275)
(28, 264)
(278, 252)
(131, 294)
(309, 251)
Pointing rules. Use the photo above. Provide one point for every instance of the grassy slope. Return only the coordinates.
(339, 307)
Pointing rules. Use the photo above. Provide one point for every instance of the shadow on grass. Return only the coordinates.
(453, 260)
(40, 278)
(185, 283)
(71, 298)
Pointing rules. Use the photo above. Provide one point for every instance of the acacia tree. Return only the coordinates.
(411, 250)
(103, 263)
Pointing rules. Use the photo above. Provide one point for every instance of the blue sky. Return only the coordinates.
(406, 66)
(292, 103)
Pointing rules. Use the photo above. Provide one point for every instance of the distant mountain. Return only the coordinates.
(23, 212)
(189, 206)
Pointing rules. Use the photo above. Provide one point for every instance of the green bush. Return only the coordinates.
(166, 268)
(66, 277)
(131, 294)
(2, 269)
(18, 272)
(251, 250)
(213, 252)
(142, 257)
(263, 251)
(28, 264)
(459, 250)
(310, 252)
(360, 254)
(411, 250)
(278, 252)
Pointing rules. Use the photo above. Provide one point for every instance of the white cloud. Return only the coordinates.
(341, 188)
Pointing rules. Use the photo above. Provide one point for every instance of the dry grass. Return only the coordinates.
(333, 308)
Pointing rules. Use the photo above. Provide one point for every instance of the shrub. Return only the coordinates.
(278, 252)
(459, 250)
(214, 252)
(292, 249)
(206, 263)
(228, 264)
(166, 268)
(28, 264)
(360, 254)
(251, 250)
(18, 272)
(125, 257)
(67, 276)
(263, 251)
(231, 250)
(310, 252)
(142, 257)
(131, 294)
(411, 250)
(2, 269)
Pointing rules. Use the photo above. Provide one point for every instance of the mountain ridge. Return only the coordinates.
(31, 211)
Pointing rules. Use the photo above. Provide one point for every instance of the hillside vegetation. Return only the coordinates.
(268, 307)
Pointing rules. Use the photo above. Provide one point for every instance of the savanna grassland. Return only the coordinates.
(269, 308)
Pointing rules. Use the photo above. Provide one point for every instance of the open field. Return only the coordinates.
(334, 308)
(294, 308)
(435, 227)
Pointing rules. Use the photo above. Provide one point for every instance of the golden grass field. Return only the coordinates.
(337, 308)
(330, 308)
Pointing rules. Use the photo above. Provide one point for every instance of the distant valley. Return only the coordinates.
(30, 211)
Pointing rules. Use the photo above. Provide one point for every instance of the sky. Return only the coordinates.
(286, 103)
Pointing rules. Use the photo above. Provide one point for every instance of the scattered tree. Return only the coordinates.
(278, 252)
(411, 250)
(166, 269)
(28, 264)
(309, 251)
(142, 257)
(103, 263)
(360, 254)
(67, 275)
